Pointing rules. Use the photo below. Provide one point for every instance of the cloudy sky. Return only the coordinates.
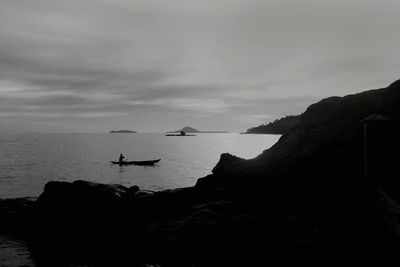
(153, 66)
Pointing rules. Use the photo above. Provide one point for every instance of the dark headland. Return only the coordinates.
(122, 131)
(278, 126)
(326, 194)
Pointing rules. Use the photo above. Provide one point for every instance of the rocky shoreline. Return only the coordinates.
(310, 199)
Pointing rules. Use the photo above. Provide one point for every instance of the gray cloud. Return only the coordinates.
(90, 65)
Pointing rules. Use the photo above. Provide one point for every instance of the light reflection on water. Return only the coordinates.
(14, 252)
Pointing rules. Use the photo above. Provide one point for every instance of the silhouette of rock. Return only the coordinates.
(63, 193)
(225, 161)
(16, 214)
(329, 132)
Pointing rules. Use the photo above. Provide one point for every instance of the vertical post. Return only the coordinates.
(375, 147)
(365, 148)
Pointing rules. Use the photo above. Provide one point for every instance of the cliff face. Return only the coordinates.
(334, 123)
(329, 134)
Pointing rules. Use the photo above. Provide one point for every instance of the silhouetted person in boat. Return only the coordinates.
(121, 158)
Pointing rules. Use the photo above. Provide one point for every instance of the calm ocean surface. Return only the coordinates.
(28, 161)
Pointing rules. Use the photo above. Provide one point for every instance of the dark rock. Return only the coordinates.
(225, 161)
(389, 208)
(177, 200)
(328, 137)
(133, 189)
(79, 193)
(130, 193)
(16, 214)
(334, 123)
(176, 194)
(144, 193)
(82, 207)
(16, 205)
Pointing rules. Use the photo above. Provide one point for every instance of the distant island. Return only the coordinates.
(279, 126)
(188, 129)
(122, 131)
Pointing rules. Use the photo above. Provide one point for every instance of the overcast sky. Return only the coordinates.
(153, 66)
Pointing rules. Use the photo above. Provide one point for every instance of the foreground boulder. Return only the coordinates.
(80, 199)
(58, 192)
(16, 214)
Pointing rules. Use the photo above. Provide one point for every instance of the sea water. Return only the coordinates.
(29, 161)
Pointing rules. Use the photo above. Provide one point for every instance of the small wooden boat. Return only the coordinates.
(138, 163)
